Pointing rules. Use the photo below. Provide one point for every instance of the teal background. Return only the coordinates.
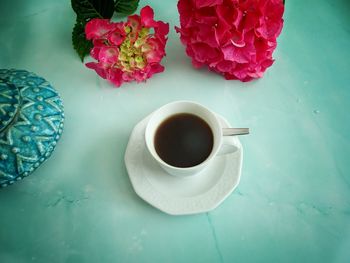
(293, 201)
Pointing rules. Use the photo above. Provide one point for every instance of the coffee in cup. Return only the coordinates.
(184, 140)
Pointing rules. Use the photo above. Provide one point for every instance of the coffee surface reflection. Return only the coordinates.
(183, 140)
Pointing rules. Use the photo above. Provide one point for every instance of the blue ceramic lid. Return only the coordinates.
(9, 102)
(31, 122)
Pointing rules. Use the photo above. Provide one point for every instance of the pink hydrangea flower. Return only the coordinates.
(127, 51)
(235, 38)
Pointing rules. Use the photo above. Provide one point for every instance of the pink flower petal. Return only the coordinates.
(128, 76)
(153, 57)
(269, 29)
(237, 17)
(156, 45)
(222, 34)
(115, 76)
(96, 28)
(154, 68)
(162, 28)
(204, 53)
(147, 17)
(206, 34)
(205, 3)
(99, 42)
(108, 55)
(205, 16)
(185, 9)
(225, 66)
(117, 36)
(94, 52)
(134, 22)
(267, 63)
(97, 67)
(224, 14)
(237, 39)
(235, 54)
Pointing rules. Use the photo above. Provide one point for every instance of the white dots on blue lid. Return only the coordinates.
(38, 117)
(3, 156)
(15, 150)
(26, 138)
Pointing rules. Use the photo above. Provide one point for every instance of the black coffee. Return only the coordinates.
(184, 140)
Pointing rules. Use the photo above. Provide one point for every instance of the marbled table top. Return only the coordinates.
(293, 200)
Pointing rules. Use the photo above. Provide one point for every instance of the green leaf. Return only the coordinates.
(81, 45)
(126, 7)
(88, 9)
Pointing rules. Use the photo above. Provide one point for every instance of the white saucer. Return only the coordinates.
(175, 195)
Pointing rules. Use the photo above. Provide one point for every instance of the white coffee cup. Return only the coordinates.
(204, 113)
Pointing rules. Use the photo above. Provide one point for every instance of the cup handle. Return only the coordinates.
(229, 144)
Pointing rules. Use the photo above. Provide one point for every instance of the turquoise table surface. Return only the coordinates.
(293, 201)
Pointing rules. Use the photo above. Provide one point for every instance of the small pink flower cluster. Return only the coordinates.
(127, 51)
(235, 38)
